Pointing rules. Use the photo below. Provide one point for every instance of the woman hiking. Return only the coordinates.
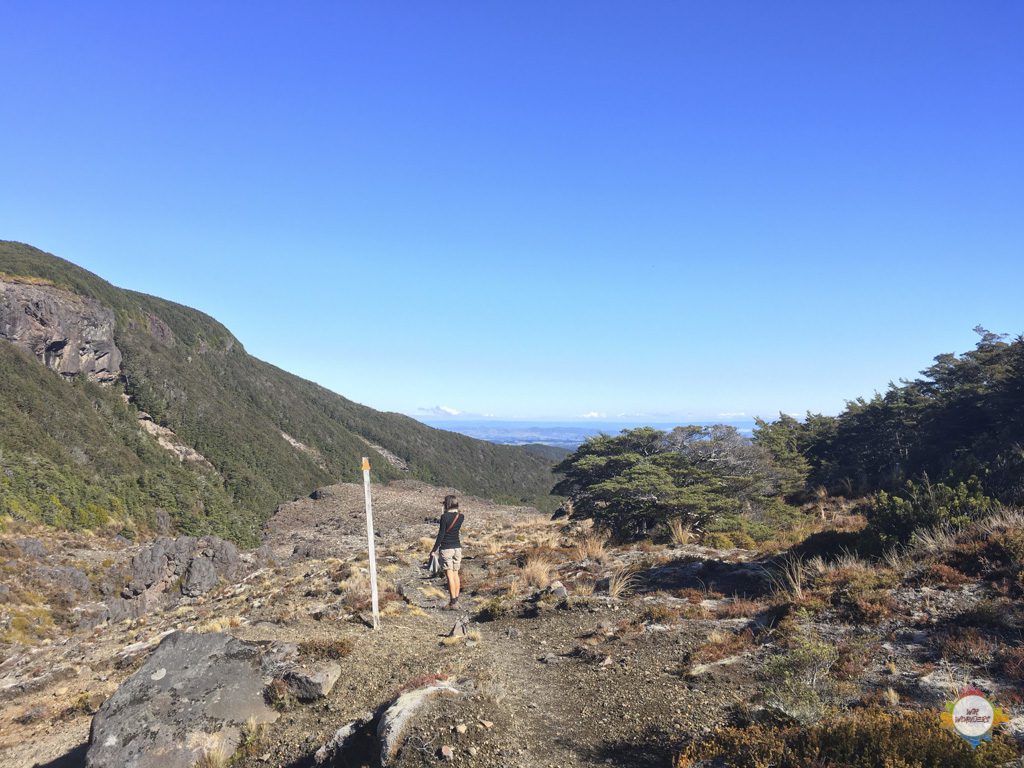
(449, 546)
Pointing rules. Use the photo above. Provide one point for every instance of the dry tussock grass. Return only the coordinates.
(493, 547)
(584, 587)
(219, 624)
(622, 582)
(592, 546)
(536, 570)
(680, 533)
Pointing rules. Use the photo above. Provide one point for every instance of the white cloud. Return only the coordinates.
(593, 415)
(732, 415)
(440, 410)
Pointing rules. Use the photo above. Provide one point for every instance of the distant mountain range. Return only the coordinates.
(122, 408)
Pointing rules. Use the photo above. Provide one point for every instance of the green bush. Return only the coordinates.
(799, 682)
(893, 518)
(717, 540)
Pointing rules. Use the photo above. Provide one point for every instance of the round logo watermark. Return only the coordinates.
(973, 717)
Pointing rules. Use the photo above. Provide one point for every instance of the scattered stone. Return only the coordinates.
(461, 628)
(557, 589)
(213, 684)
(550, 658)
(473, 751)
(308, 685)
(30, 716)
(447, 754)
(486, 723)
(461, 728)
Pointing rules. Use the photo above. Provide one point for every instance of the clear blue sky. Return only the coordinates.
(671, 209)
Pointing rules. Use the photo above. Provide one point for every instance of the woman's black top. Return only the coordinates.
(449, 539)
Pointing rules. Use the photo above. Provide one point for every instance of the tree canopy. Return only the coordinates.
(645, 477)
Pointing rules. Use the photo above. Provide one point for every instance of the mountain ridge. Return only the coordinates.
(269, 435)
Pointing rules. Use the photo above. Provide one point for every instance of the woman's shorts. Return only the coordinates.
(451, 559)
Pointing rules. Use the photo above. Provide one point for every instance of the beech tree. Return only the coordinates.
(644, 477)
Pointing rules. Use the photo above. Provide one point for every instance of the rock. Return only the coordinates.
(391, 730)
(211, 684)
(486, 724)
(31, 547)
(69, 333)
(308, 685)
(197, 565)
(200, 577)
(550, 658)
(557, 589)
(447, 754)
(461, 628)
(162, 520)
(336, 744)
(473, 751)
(30, 716)
(461, 728)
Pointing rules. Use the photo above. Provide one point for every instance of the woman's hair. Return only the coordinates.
(450, 503)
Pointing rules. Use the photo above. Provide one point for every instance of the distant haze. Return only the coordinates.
(564, 434)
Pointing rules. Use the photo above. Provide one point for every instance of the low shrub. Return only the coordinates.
(893, 518)
(659, 614)
(942, 575)
(337, 648)
(967, 645)
(718, 540)
(800, 682)
(721, 645)
(1011, 662)
(495, 608)
(739, 608)
(866, 738)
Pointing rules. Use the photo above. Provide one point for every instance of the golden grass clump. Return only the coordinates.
(536, 571)
(592, 546)
(680, 533)
(622, 582)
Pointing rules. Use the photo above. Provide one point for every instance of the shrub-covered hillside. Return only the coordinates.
(269, 435)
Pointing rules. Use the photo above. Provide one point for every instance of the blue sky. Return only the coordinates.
(538, 210)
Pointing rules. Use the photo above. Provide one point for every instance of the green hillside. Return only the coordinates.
(198, 381)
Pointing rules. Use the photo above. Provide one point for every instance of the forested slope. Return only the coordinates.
(243, 415)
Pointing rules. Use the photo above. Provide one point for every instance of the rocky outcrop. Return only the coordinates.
(190, 699)
(170, 442)
(71, 334)
(170, 568)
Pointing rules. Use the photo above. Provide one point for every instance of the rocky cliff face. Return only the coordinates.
(71, 334)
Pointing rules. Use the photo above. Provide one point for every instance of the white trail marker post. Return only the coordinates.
(370, 544)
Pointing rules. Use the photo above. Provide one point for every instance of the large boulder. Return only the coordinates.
(396, 720)
(200, 577)
(191, 698)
